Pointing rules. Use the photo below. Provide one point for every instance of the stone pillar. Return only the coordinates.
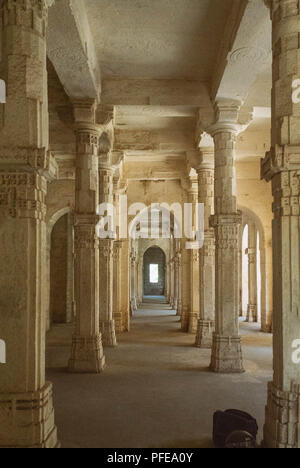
(226, 349)
(125, 285)
(140, 280)
(206, 322)
(241, 313)
(179, 283)
(185, 264)
(176, 283)
(172, 282)
(133, 301)
(106, 262)
(87, 352)
(117, 313)
(70, 272)
(282, 166)
(26, 408)
(194, 265)
(252, 313)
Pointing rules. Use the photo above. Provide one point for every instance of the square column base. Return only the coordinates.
(27, 420)
(281, 428)
(118, 323)
(204, 336)
(226, 355)
(87, 355)
(193, 322)
(134, 306)
(179, 308)
(251, 314)
(108, 331)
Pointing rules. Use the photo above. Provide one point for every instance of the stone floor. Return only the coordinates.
(157, 391)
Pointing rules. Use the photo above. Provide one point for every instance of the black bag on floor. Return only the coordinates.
(229, 421)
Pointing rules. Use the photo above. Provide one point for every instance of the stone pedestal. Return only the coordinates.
(204, 334)
(26, 407)
(282, 166)
(87, 353)
(227, 354)
(27, 419)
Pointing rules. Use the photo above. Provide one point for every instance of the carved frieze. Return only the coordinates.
(22, 195)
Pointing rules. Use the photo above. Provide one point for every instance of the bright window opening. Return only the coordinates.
(153, 274)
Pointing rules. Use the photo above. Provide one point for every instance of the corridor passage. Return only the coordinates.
(156, 391)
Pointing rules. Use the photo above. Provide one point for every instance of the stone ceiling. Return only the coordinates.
(157, 38)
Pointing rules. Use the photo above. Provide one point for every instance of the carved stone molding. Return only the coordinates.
(32, 416)
(280, 158)
(282, 417)
(36, 158)
(85, 237)
(22, 195)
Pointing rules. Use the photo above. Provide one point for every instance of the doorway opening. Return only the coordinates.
(154, 277)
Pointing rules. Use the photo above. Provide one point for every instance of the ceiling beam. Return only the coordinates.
(71, 49)
(248, 55)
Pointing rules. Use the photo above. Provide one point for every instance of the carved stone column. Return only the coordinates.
(106, 262)
(226, 349)
(70, 271)
(172, 282)
(117, 313)
(282, 166)
(140, 280)
(125, 285)
(87, 352)
(252, 274)
(185, 266)
(179, 283)
(26, 407)
(133, 301)
(194, 265)
(176, 283)
(206, 321)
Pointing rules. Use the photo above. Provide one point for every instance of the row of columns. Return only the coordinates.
(26, 409)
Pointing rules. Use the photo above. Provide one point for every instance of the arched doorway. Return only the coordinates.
(154, 272)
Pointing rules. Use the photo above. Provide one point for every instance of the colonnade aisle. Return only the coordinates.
(156, 391)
